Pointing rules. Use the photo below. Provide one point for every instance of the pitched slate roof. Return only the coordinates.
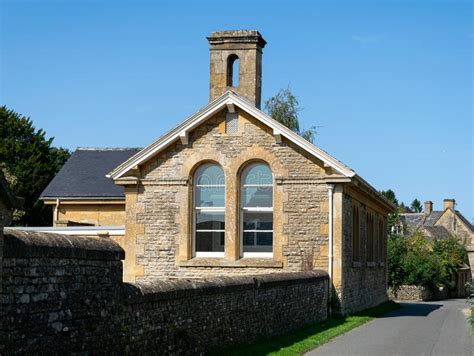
(464, 220)
(83, 175)
(428, 222)
(433, 218)
(437, 232)
(414, 219)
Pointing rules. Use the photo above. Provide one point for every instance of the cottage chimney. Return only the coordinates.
(428, 207)
(236, 63)
(449, 204)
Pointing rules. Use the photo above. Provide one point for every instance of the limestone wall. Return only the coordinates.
(158, 224)
(411, 292)
(64, 294)
(364, 284)
(101, 214)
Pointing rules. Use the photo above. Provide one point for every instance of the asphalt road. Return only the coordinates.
(419, 328)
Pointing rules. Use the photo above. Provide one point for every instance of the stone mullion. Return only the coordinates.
(232, 211)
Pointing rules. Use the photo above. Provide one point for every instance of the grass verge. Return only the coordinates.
(313, 336)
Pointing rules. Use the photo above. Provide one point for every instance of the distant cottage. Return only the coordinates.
(82, 195)
(438, 224)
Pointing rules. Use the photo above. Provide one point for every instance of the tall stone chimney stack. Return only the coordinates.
(449, 204)
(428, 207)
(237, 54)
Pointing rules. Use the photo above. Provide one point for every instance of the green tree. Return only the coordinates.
(393, 218)
(284, 108)
(29, 162)
(417, 261)
(416, 206)
(390, 195)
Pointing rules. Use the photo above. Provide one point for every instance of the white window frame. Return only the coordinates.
(206, 210)
(256, 210)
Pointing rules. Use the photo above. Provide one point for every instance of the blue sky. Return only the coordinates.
(389, 83)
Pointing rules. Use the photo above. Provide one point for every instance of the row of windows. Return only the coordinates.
(256, 211)
(375, 236)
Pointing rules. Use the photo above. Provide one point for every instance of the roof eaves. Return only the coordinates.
(376, 193)
(229, 97)
(167, 138)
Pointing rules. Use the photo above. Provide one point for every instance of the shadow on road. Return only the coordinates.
(412, 309)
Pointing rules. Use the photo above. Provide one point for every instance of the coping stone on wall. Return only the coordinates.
(30, 244)
(180, 288)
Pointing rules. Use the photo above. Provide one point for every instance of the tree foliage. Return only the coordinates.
(417, 261)
(29, 162)
(416, 206)
(284, 108)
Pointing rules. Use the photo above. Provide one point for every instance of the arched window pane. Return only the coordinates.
(210, 174)
(209, 210)
(257, 174)
(257, 210)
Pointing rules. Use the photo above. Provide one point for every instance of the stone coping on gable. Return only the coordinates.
(143, 292)
(32, 244)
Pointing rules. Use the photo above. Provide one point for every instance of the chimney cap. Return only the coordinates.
(237, 36)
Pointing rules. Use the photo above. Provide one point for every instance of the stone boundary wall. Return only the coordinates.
(64, 294)
(410, 292)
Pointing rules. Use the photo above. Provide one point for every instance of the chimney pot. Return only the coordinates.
(428, 207)
(449, 204)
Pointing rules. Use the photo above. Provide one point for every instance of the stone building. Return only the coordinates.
(442, 224)
(80, 193)
(438, 224)
(232, 191)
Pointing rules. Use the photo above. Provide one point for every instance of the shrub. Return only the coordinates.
(417, 261)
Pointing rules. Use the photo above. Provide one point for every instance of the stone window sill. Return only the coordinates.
(356, 264)
(381, 264)
(222, 262)
(371, 264)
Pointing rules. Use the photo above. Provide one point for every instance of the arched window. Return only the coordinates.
(257, 210)
(209, 211)
(233, 71)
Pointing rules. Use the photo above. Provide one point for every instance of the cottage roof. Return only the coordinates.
(83, 175)
(437, 232)
(428, 221)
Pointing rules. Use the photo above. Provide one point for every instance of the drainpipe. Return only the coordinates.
(330, 237)
(56, 212)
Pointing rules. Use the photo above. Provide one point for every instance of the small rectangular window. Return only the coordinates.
(370, 238)
(231, 123)
(355, 234)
